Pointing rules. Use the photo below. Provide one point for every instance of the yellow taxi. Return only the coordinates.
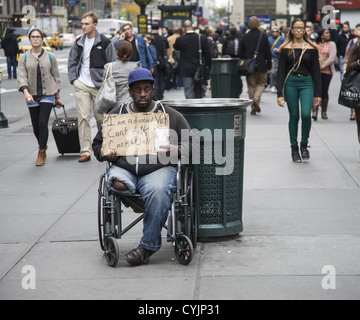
(24, 45)
(54, 40)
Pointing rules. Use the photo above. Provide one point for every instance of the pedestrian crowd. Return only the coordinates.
(296, 63)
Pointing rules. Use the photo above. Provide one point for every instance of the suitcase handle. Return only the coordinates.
(66, 118)
(66, 128)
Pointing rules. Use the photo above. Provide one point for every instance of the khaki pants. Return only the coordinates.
(256, 85)
(85, 101)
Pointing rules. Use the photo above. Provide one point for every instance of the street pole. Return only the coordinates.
(3, 120)
(311, 10)
(229, 16)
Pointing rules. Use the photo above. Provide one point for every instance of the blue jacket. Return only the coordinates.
(153, 54)
(276, 55)
(144, 53)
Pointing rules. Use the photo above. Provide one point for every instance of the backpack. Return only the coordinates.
(214, 50)
(233, 47)
(25, 58)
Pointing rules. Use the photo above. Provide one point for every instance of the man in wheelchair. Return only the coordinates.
(152, 179)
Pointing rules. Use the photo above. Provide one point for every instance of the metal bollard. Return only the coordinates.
(3, 120)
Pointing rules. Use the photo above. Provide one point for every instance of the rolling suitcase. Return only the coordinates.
(66, 135)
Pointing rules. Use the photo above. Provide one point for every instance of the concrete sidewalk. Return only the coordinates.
(298, 219)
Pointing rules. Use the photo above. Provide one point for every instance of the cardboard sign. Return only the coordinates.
(135, 134)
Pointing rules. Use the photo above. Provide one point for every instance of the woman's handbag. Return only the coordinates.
(247, 67)
(350, 90)
(202, 73)
(106, 96)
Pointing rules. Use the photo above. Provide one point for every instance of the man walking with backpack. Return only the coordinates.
(11, 48)
(231, 46)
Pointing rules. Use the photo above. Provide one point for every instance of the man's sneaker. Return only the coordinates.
(273, 90)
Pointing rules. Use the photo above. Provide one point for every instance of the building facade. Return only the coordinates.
(69, 12)
(242, 9)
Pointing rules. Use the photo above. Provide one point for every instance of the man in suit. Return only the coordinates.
(258, 81)
(188, 45)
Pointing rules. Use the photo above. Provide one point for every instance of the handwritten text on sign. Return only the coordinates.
(135, 134)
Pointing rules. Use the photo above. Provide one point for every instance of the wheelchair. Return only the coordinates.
(181, 224)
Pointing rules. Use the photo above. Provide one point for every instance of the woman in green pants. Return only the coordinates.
(299, 80)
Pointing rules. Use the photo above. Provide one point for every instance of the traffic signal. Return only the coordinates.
(83, 5)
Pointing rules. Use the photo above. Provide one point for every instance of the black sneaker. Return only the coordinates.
(305, 154)
(295, 154)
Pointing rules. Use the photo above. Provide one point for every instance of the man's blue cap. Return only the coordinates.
(140, 74)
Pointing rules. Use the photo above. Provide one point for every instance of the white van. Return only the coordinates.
(110, 26)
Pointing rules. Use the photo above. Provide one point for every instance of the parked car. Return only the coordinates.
(68, 39)
(54, 40)
(24, 45)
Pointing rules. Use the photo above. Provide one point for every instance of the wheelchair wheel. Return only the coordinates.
(111, 251)
(101, 211)
(191, 217)
(183, 249)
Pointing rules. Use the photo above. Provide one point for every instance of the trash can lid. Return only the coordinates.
(225, 59)
(208, 103)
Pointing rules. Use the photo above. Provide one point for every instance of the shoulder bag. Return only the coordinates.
(247, 67)
(106, 96)
(202, 73)
(350, 90)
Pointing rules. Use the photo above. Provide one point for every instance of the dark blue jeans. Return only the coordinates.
(159, 84)
(156, 190)
(11, 62)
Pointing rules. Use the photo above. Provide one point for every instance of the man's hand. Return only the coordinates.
(169, 149)
(112, 157)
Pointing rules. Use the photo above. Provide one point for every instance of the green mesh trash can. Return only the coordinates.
(220, 126)
(225, 79)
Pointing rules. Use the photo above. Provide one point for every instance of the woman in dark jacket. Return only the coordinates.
(354, 64)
